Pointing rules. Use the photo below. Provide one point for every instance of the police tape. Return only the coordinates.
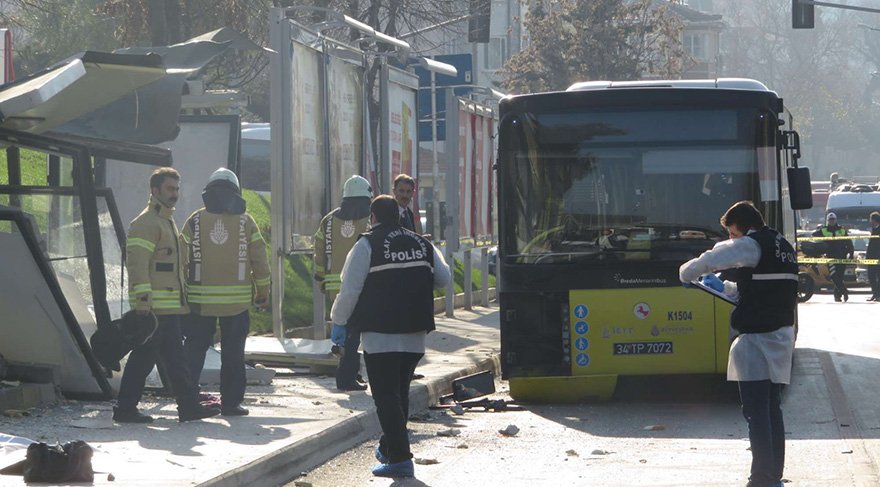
(821, 239)
(824, 260)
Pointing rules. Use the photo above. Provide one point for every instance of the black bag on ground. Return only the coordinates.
(71, 462)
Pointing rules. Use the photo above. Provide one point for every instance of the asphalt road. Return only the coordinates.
(683, 432)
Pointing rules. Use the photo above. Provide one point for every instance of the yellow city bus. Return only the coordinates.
(604, 191)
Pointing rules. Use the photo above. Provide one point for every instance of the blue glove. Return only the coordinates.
(337, 335)
(713, 282)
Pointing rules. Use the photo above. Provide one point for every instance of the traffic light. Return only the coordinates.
(803, 15)
(480, 13)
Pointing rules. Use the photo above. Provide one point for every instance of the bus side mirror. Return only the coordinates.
(799, 188)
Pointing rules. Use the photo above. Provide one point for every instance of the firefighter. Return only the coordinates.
(837, 249)
(156, 284)
(337, 234)
(227, 270)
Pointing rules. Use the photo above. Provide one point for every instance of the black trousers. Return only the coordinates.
(166, 348)
(837, 271)
(390, 375)
(350, 363)
(198, 332)
(874, 280)
(761, 406)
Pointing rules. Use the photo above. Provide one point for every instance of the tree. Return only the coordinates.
(582, 40)
(47, 31)
(819, 72)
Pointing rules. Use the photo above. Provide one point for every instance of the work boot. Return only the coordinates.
(130, 416)
(356, 386)
(395, 470)
(196, 413)
(234, 411)
(845, 297)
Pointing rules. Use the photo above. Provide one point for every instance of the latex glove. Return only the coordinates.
(713, 282)
(337, 335)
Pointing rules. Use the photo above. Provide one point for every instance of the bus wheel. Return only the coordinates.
(806, 287)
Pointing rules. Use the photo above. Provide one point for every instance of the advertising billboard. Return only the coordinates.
(401, 147)
(308, 157)
(346, 104)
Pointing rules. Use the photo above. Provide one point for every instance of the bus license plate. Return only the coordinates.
(643, 348)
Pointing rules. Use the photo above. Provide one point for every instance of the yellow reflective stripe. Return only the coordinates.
(219, 289)
(256, 236)
(185, 239)
(140, 242)
(219, 300)
(141, 288)
(263, 282)
(333, 277)
(332, 287)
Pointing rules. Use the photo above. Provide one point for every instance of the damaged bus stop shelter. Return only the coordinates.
(63, 243)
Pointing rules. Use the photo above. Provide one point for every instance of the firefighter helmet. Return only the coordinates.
(357, 186)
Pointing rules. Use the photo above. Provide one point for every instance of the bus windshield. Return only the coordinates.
(631, 184)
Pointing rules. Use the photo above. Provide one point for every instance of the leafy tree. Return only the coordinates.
(582, 40)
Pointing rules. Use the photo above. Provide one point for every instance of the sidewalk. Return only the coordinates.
(295, 424)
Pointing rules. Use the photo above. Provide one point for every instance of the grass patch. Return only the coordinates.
(33, 168)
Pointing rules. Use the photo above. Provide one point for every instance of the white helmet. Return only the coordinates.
(224, 174)
(357, 186)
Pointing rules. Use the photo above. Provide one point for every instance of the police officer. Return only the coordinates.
(760, 356)
(156, 284)
(387, 294)
(227, 269)
(873, 252)
(837, 249)
(336, 235)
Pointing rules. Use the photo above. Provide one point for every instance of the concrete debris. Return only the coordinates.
(643, 461)
(426, 461)
(600, 452)
(110, 477)
(510, 430)
(462, 446)
(422, 417)
(457, 409)
(95, 423)
(847, 452)
(655, 427)
(16, 413)
(316, 403)
(300, 483)
(451, 432)
(572, 453)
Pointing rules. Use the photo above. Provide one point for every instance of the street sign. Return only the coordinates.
(465, 66)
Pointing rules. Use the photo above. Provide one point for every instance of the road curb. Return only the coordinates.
(287, 463)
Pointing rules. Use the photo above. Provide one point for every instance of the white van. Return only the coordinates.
(853, 204)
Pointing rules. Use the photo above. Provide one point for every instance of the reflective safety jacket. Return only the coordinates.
(837, 249)
(333, 240)
(154, 263)
(225, 261)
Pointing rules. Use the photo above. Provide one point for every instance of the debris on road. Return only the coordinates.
(600, 452)
(655, 427)
(457, 409)
(462, 446)
(572, 453)
(16, 413)
(451, 432)
(510, 430)
(426, 461)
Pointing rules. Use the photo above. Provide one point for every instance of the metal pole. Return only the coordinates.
(281, 110)
(484, 274)
(435, 163)
(468, 281)
(384, 165)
